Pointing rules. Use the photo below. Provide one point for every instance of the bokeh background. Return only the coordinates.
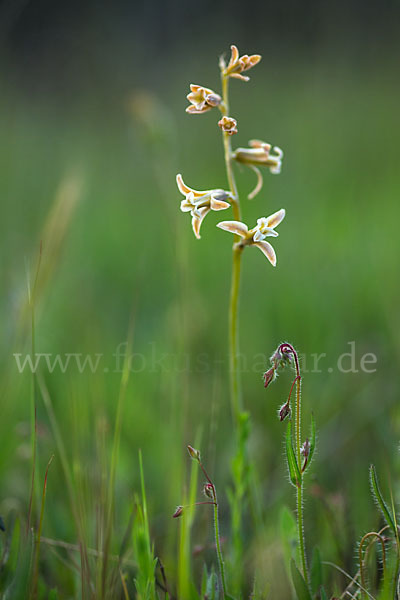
(93, 131)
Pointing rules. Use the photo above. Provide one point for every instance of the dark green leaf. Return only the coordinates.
(302, 591)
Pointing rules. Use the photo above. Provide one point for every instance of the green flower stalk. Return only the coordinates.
(211, 493)
(201, 203)
(298, 457)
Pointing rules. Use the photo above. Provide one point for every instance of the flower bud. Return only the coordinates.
(284, 411)
(178, 512)
(208, 491)
(305, 449)
(269, 376)
(213, 100)
(195, 454)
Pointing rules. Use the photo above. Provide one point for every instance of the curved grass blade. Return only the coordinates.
(379, 499)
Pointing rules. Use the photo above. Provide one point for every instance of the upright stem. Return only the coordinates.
(218, 544)
(300, 524)
(236, 399)
(300, 489)
(216, 527)
(235, 385)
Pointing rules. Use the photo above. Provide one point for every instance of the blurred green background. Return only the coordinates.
(93, 132)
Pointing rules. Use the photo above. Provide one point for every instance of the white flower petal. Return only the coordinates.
(197, 220)
(218, 204)
(259, 184)
(234, 54)
(234, 227)
(268, 250)
(268, 232)
(276, 170)
(183, 188)
(186, 206)
(276, 218)
(258, 236)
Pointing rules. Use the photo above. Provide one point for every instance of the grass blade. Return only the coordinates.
(379, 499)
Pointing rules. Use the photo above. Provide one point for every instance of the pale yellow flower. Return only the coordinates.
(228, 125)
(201, 99)
(199, 203)
(238, 64)
(257, 155)
(256, 237)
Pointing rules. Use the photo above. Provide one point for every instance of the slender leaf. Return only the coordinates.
(302, 591)
(379, 499)
(322, 594)
(316, 570)
(294, 471)
(313, 439)
(289, 537)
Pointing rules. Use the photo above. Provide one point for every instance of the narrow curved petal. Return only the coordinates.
(276, 218)
(268, 250)
(218, 204)
(195, 88)
(197, 220)
(259, 184)
(239, 76)
(182, 187)
(253, 60)
(234, 54)
(234, 227)
(260, 144)
(192, 110)
(185, 189)
(275, 170)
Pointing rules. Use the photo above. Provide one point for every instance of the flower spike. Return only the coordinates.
(201, 99)
(256, 237)
(238, 64)
(199, 203)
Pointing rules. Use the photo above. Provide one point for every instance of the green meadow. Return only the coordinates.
(98, 263)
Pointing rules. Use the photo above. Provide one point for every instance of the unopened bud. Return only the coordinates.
(178, 512)
(208, 491)
(213, 100)
(305, 449)
(195, 454)
(269, 376)
(276, 358)
(284, 411)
